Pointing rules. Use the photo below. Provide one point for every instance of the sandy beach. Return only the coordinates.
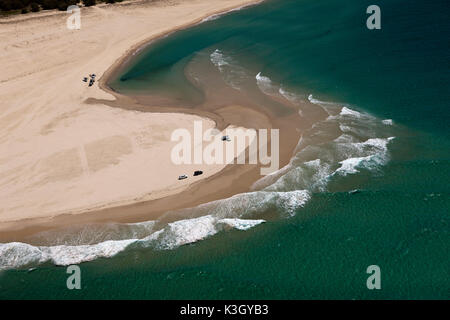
(77, 154)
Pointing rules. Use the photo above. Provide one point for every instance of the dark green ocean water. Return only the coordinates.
(400, 218)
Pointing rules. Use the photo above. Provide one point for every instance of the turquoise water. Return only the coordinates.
(319, 51)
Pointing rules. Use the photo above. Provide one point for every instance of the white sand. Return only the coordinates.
(59, 155)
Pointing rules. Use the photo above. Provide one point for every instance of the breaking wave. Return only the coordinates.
(19, 255)
(344, 143)
(265, 85)
(223, 215)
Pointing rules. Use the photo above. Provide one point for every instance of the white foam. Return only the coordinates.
(378, 155)
(320, 102)
(293, 200)
(349, 165)
(17, 254)
(321, 174)
(388, 122)
(212, 17)
(175, 234)
(266, 85)
(314, 101)
(218, 59)
(311, 175)
(241, 224)
(67, 255)
(338, 110)
(378, 142)
(233, 74)
(349, 112)
(182, 232)
(290, 96)
(328, 107)
(253, 203)
(188, 231)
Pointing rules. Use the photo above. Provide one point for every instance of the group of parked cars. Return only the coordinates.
(91, 79)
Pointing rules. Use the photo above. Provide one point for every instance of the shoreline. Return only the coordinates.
(239, 177)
